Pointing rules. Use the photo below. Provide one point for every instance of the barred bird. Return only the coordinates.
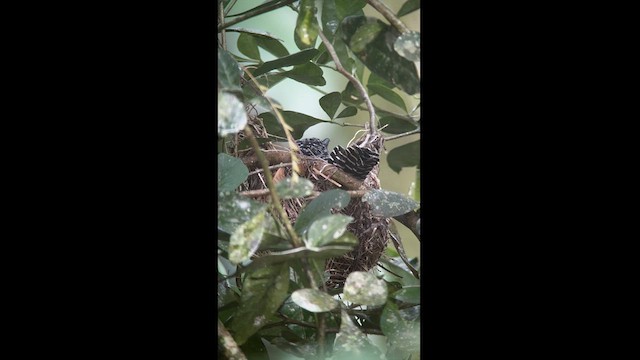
(354, 160)
(360, 161)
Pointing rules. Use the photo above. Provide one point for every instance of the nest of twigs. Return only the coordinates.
(372, 232)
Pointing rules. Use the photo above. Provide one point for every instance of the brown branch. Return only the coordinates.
(226, 341)
(347, 181)
(389, 15)
(353, 80)
(295, 240)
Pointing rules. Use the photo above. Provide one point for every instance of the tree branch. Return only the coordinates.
(272, 187)
(389, 15)
(276, 157)
(353, 80)
(231, 348)
(414, 131)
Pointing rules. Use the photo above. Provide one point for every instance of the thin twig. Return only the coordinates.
(389, 15)
(257, 12)
(414, 131)
(270, 168)
(272, 187)
(231, 348)
(315, 194)
(229, 7)
(358, 85)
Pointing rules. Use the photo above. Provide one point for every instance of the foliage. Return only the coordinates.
(275, 303)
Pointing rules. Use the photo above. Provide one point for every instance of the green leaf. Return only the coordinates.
(400, 333)
(364, 35)
(299, 122)
(231, 114)
(307, 28)
(228, 71)
(346, 8)
(308, 73)
(348, 111)
(406, 155)
(397, 125)
(314, 300)
(231, 172)
(388, 203)
(409, 6)
(329, 18)
(324, 252)
(408, 46)
(287, 189)
(351, 343)
(342, 51)
(326, 230)
(387, 94)
(321, 207)
(273, 46)
(409, 294)
(350, 95)
(365, 289)
(248, 46)
(374, 47)
(330, 103)
(289, 60)
(415, 189)
(245, 240)
(263, 291)
(395, 273)
(375, 79)
(234, 210)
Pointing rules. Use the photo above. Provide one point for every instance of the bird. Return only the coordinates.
(354, 160)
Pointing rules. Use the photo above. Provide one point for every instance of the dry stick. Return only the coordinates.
(272, 187)
(255, 13)
(231, 348)
(271, 168)
(353, 80)
(389, 15)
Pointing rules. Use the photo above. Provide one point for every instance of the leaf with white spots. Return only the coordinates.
(400, 332)
(263, 291)
(388, 203)
(245, 240)
(234, 210)
(321, 207)
(287, 189)
(365, 289)
(326, 230)
(231, 114)
(352, 344)
(314, 300)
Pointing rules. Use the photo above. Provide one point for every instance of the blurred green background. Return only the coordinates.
(302, 98)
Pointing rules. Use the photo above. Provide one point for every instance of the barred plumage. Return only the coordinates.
(354, 160)
(314, 147)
